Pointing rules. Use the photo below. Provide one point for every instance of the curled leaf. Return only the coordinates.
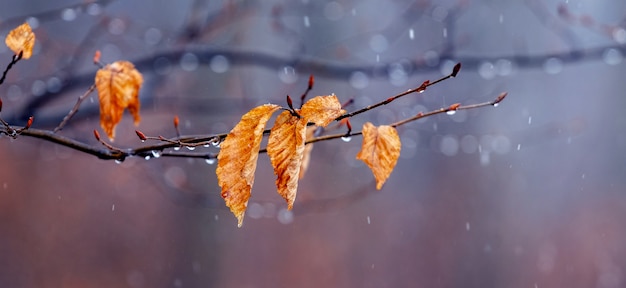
(238, 158)
(21, 39)
(306, 155)
(118, 87)
(380, 151)
(321, 110)
(285, 147)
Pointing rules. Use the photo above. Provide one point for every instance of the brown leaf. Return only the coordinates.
(285, 147)
(321, 110)
(306, 155)
(21, 39)
(238, 157)
(118, 87)
(380, 151)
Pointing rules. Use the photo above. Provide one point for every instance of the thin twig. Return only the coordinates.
(14, 60)
(74, 109)
(419, 89)
(414, 118)
(113, 153)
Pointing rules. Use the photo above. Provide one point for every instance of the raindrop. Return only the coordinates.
(501, 18)
(612, 56)
(255, 210)
(397, 75)
(177, 148)
(467, 226)
(113, 207)
(378, 43)
(14, 92)
(449, 145)
(216, 143)
(501, 144)
(368, 220)
(68, 14)
(485, 158)
(469, 144)
(619, 35)
(33, 22)
(553, 65)
(359, 80)
(446, 67)
(504, 67)
(119, 161)
(530, 120)
(219, 64)
(445, 32)
(519, 147)
(189, 62)
(152, 36)
(210, 161)
(206, 145)
(142, 141)
(94, 9)
(495, 104)
(439, 13)
(346, 138)
(307, 22)
(451, 112)
(191, 148)
(147, 157)
(117, 26)
(487, 70)
(411, 34)
(156, 154)
(333, 11)
(431, 58)
(288, 74)
(285, 216)
(38, 88)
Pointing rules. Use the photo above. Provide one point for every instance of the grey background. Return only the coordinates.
(528, 194)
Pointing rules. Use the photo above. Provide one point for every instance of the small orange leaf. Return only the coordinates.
(380, 151)
(238, 157)
(118, 87)
(285, 147)
(322, 110)
(21, 39)
(306, 157)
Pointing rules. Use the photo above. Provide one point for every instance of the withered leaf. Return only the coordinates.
(238, 158)
(321, 110)
(380, 151)
(118, 87)
(306, 155)
(21, 39)
(285, 147)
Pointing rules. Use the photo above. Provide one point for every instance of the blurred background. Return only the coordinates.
(528, 194)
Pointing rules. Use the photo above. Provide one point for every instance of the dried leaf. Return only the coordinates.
(238, 157)
(380, 151)
(118, 87)
(321, 110)
(285, 147)
(21, 39)
(306, 155)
